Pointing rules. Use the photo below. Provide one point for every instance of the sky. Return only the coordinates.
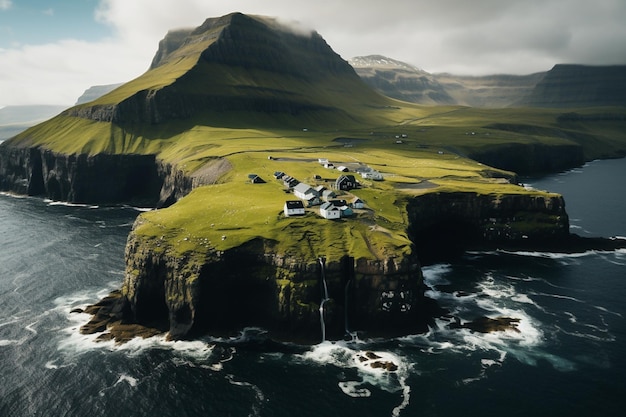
(51, 51)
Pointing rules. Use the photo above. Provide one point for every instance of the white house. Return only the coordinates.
(294, 208)
(328, 195)
(372, 175)
(357, 203)
(330, 211)
(343, 168)
(305, 191)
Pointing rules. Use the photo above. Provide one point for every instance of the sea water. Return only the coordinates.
(566, 357)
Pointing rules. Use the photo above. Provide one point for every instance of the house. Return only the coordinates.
(279, 174)
(343, 168)
(320, 189)
(330, 211)
(305, 191)
(345, 211)
(329, 165)
(372, 175)
(289, 181)
(294, 208)
(345, 182)
(322, 161)
(357, 203)
(257, 180)
(328, 195)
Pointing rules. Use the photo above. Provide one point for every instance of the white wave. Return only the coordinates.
(354, 389)
(435, 274)
(67, 204)
(260, 397)
(381, 369)
(127, 379)
(13, 195)
(9, 342)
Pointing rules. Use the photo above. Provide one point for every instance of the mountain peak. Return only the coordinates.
(382, 62)
(238, 63)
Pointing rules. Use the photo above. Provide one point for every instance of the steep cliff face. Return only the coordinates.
(580, 86)
(100, 179)
(80, 178)
(529, 159)
(253, 286)
(442, 224)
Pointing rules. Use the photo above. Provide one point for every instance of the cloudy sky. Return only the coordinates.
(52, 50)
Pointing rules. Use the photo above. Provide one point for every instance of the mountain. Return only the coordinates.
(565, 85)
(239, 63)
(400, 80)
(579, 86)
(95, 92)
(406, 82)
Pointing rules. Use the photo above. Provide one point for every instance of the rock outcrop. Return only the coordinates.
(444, 224)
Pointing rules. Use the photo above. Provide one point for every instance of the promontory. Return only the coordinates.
(288, 194)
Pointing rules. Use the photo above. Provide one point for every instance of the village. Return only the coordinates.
(333, 198)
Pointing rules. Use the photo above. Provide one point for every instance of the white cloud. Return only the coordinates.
(5, 4)
(477, 37)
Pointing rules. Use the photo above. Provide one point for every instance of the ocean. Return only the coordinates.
(567, 357)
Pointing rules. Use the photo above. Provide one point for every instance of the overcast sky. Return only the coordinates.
(51, 51)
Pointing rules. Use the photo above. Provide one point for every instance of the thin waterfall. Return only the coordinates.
(324, 297)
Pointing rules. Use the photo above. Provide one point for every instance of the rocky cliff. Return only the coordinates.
(140, 180)
(580, 86)
(307, 299)
(442, 224)
(251, 285)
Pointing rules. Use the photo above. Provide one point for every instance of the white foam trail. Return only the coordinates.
(368, 364)
(128, 379)
(66, 204)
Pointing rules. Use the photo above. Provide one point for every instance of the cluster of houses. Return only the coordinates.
(329, 206)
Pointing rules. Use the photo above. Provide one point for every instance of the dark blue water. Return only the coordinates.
(567, 359)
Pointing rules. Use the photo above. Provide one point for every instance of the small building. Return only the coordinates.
(305, 191)
(345, 182)
(294, 208)
(279, 174)
(329, 165)
(330, 211)
(289, 181)
(328, 195)
(257, 180)
(372, 175)
(322, 161)
(343, 168)
(345, 211)
(357, 203)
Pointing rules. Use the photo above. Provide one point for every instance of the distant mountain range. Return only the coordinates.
(562, 86)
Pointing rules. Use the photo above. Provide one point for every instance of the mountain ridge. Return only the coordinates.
(564, 85)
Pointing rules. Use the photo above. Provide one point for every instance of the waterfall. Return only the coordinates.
(324, 297)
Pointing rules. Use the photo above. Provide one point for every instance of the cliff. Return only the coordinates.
(294, 298)
(579, 86)
(251, 285)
